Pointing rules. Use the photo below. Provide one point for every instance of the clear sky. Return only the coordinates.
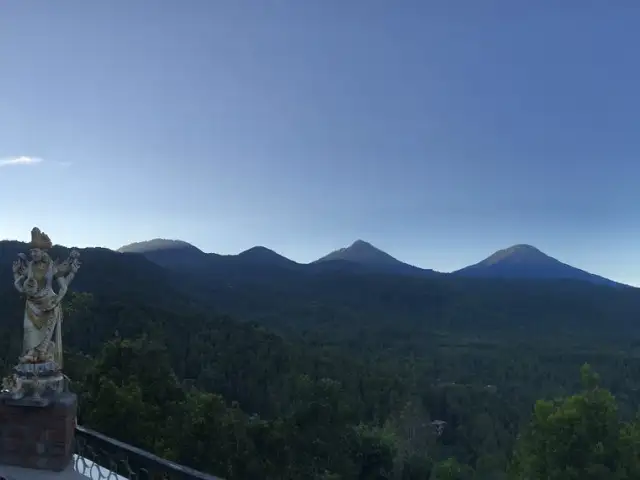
(438, 131)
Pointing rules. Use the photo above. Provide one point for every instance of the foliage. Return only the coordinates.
(578, 437)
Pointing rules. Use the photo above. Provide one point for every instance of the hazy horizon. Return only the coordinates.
(439, 133)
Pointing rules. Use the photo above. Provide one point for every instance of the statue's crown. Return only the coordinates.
(40, 239)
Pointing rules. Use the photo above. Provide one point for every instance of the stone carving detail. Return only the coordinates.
(12, 385)
(39, 369)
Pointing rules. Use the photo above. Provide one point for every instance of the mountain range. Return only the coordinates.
(516, 262)
(358, 294)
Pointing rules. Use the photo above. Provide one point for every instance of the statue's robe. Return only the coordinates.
(43, 313)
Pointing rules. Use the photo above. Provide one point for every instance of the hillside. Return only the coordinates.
(331, 298)
(326, 300)
(526, 261)
(361, 360)
(107, 273)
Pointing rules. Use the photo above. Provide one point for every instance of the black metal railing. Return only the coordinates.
(102, 458)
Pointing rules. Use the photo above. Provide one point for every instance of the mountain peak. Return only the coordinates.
(264, 255)
(258, 250)
(524, 247)
(364, 254)
(520, 253)
(526, 261)
(361, 243)
(360, 252)
(155, 245)
(167, 253)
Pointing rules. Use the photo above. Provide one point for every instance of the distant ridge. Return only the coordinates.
(178, 253)
(520, 261)
(527, 262)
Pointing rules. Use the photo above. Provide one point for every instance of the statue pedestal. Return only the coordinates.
(37, 436)
(37, 380)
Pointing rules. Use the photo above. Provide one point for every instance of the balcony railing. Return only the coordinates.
(102, 458)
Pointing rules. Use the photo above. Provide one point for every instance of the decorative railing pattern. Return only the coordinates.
(102, 458)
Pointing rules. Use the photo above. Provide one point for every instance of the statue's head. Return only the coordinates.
(40, 242)
(37, 254)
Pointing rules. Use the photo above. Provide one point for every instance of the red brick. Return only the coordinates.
(38, 437)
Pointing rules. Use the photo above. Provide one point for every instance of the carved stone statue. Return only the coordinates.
(35, 277)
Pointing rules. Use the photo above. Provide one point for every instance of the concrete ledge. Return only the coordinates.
(18, 473)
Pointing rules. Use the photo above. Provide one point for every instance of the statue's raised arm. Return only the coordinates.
(66, 271)
(20, 267)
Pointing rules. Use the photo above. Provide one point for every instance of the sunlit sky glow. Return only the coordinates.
(438, 131)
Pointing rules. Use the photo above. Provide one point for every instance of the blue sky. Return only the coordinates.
(438, 131)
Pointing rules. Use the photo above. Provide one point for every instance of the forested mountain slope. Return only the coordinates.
(340, 295)
(326, 373)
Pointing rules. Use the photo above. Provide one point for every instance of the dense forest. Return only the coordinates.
(257, 371)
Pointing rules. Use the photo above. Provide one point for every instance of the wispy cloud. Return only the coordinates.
(23, 160)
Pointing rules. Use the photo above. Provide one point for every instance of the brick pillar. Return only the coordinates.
(38, 437)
